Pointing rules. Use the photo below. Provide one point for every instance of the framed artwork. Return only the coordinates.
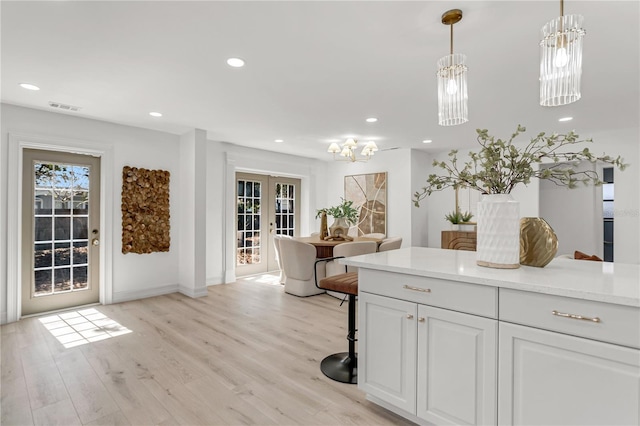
(369, 195)
(145, 210)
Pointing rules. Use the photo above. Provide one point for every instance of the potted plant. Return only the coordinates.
(458, 218)
(344, 215)
(497, 168)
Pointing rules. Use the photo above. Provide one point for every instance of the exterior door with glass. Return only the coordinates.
(265, 206)
(60, 230)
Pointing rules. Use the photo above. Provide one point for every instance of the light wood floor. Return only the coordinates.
(246, 354)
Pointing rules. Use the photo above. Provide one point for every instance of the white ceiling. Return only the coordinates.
(314, 70)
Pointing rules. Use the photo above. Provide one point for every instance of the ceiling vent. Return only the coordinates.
(64, 107)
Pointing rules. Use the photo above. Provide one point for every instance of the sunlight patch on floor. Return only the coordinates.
(77, 328)
(263, 279)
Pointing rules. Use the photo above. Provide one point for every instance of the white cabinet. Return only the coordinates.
(551, 378)
(436, 364)
(387, 350)
(456, 367)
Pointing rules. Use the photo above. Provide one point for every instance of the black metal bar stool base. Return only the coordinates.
(340, 368)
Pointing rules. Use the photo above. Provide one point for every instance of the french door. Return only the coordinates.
(60, 230)
(265, 206)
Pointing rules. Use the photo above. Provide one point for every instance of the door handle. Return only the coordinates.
(95, 242)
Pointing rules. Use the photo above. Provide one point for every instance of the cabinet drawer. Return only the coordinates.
(615, 323)
(457, 296)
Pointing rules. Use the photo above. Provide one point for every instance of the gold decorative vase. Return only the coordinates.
(538, 242)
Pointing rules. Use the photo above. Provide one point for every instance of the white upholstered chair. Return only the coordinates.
(390, 243)
(276, 245)
(297, 260)
(376, 235)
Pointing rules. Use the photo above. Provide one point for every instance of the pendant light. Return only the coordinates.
(452, 80)
(561, 59)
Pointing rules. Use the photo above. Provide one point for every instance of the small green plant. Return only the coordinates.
(457, 217)
(345, 209)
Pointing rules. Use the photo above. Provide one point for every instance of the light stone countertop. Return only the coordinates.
(617, 283)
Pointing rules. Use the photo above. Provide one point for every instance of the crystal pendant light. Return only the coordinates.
(452, 80)
(561, 59)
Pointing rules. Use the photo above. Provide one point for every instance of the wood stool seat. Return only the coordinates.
(344, 283)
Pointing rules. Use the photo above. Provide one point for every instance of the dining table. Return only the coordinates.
(324, 248)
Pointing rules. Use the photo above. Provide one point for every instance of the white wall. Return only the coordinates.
(397, 164)
(420, 163)
(134, 275)
(574, 214)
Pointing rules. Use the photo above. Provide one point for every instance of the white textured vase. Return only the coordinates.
(498, 232)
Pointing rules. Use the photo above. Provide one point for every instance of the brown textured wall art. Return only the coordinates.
(145, 210)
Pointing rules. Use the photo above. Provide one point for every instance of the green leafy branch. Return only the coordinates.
(499, 165)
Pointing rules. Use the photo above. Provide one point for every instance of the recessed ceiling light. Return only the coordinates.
(29, 86)
(372, 120)
(235, 62)
(565, 119)
(155, 114)
(279, 140)
(427, 141)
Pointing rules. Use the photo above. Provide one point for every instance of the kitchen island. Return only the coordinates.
(444, 341)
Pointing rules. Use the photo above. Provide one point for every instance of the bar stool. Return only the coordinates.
(342, 366)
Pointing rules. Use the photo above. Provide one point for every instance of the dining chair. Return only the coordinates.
(297, 259)
(276, 245)
(391, 243)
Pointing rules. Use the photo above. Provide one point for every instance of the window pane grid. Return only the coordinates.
(61, 225)
(285, 209)
(249, 222)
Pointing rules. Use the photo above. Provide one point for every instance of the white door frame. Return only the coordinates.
(246, 163)
(17, 143)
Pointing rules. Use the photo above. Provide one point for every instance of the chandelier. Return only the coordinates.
(561, 59)
(452, 80)
(348, 151)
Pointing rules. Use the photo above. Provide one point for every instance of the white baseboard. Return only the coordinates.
(187, 291)
(3, 317)
(229, 276)
(125, 296)
(215, 281)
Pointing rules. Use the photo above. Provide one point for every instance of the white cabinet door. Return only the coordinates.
(387, 350)
(549, 378)
(457, 378)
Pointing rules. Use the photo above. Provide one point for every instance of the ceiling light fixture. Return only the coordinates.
(279, 140)
(452, 80)
(155, 114)
(235, 62)
(561, 59)
(565, 119)
(348, 151)
(29, 86)
(427, 141)
(372, 120)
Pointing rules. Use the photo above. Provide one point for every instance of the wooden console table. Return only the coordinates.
(458, 240)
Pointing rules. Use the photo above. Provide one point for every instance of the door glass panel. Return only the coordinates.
(284, 208)
(61, 207)
(248, 227)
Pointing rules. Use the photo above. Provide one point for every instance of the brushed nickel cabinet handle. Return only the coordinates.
(424, 290)
(409, 316)
(420, 319)
(573, 316)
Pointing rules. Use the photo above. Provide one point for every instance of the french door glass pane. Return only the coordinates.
(248, 226)
(284, 208)
(61, 208)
